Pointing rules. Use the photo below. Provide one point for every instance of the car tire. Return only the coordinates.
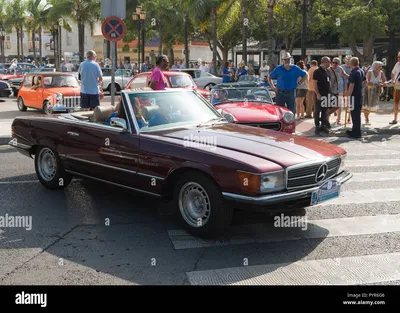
(21, 105)
(49, 169)
(209, 86)
(47, 108)
(214, 216)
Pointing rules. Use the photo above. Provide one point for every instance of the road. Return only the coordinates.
(96, 234)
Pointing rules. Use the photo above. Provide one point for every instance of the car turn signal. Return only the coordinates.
(249, 182)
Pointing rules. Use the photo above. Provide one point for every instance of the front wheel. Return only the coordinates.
(47, 108)
(49, 169)
(200, 207)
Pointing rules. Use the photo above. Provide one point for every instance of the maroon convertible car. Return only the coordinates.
(175, 145)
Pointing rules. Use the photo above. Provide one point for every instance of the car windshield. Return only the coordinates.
(180, 81)
(60, 81)
(249, 78)
(244, 94)
(160, 110)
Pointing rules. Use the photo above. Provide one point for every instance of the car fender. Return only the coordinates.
(196, 166)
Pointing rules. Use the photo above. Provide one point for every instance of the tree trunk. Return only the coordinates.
(368, 48)
(40, 46)
(34, 45)
(270, 37)
(81, 38)
(244, 30)
(356, 52)
(214, 37)
(18, 44)
(160, 45)
(172, 56)
(186, 40)
(22, 44)
(225, 53)
(59, 46)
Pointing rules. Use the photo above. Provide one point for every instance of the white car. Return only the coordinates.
(122, 77)
(203, 80)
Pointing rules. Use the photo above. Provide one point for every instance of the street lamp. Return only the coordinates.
(2, 37)
(139, 16)
(303, 8)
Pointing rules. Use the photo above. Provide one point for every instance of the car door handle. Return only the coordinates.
(73, 134)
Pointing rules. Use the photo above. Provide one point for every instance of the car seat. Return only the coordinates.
(149, 112)
(102, 113)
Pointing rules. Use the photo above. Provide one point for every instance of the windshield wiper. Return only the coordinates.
(213, 121)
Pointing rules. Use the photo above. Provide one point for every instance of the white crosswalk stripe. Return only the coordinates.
(349, 240)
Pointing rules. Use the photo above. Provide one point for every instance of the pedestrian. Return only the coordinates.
(375, 80)
(157, 79)
(396, 91)
(356, 79)
(91, 78)
(226, 73)
(343, 86)
(322, 90)
(264, 69)
(310, 98)
(287, 75)
(301, 92)
(335, 73)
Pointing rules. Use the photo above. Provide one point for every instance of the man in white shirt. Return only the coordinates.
(264, 69)
(203, 66)
(396, 91)
(69, 66)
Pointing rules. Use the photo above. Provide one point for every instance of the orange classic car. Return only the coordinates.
(50, 92)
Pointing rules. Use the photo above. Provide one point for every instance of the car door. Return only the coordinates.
(103, 152)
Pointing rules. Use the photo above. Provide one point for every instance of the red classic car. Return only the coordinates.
(174, 144)
(173, 79)
(250, 105)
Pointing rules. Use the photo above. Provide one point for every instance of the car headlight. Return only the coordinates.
(342, 163)
(262, 183)
(229, 117)
(288, 117)
(59, 97)
(272, 94)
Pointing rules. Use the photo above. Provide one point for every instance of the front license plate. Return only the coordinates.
(328, 191)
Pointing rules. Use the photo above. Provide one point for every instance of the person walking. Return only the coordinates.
(310, 97)
(396, 91)
(375, 80)
(356, 79)
(157, 79)
(322, 90)
(287, 76)
(91, 77)
(301, 92)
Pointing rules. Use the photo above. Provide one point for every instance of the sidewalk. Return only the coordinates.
(379, 126)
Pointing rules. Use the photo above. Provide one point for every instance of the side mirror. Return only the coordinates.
(119, 122)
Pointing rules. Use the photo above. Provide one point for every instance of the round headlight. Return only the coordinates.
(288, 117)
(229, 117)
(59, 97)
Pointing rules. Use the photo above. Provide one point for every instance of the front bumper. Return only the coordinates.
(281, 197)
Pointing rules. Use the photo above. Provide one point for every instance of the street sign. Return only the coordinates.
(113, 8)
(113, 29)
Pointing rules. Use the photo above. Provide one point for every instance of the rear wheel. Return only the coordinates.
(49, 169)
(200, 207)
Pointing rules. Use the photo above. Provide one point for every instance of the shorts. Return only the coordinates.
(89, 101)
(301, 93)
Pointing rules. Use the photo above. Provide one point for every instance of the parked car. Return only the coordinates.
(173, 79)
(5, 89)
(203, 79)
(22, 68)
(248, 104)
(17, 82)
(50, 92)
(195, 161)
(122, 77)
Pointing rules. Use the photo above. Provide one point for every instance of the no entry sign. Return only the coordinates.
(113, 28)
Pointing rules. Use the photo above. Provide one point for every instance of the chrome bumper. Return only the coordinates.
(282, 197)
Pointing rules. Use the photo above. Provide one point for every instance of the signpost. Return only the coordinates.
(113, 8)
(113, 29)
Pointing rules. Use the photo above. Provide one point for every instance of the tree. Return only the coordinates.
(15, 19)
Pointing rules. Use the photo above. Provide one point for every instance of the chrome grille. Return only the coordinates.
(72, 102)
(273, 126)
(304, 176)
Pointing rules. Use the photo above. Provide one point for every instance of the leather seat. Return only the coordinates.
(102, 113)
(149, 111)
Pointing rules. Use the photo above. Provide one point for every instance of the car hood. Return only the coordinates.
(251, 112)
(281, 148)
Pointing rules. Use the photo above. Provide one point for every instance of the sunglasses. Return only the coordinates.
(335, 63)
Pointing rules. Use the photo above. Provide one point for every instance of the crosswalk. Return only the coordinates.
(349, 240)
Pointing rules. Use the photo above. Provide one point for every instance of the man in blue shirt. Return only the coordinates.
(91, 77)
(165, 116)
(356, 79)
(287, 76)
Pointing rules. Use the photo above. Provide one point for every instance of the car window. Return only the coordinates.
(197, 74)
(254, 95)
(179, 81)
(138, 82)
(161, 110)
(60, 81)
(28, 81)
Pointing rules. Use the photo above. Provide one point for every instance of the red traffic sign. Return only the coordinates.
(113, 28)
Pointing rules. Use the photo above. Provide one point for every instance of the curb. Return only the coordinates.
(4, 140)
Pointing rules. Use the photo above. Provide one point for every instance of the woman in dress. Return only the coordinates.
(375, 80)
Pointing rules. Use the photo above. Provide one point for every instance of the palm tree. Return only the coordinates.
(81, 12)
(15, 19)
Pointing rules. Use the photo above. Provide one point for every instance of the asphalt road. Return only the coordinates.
(95, 234)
